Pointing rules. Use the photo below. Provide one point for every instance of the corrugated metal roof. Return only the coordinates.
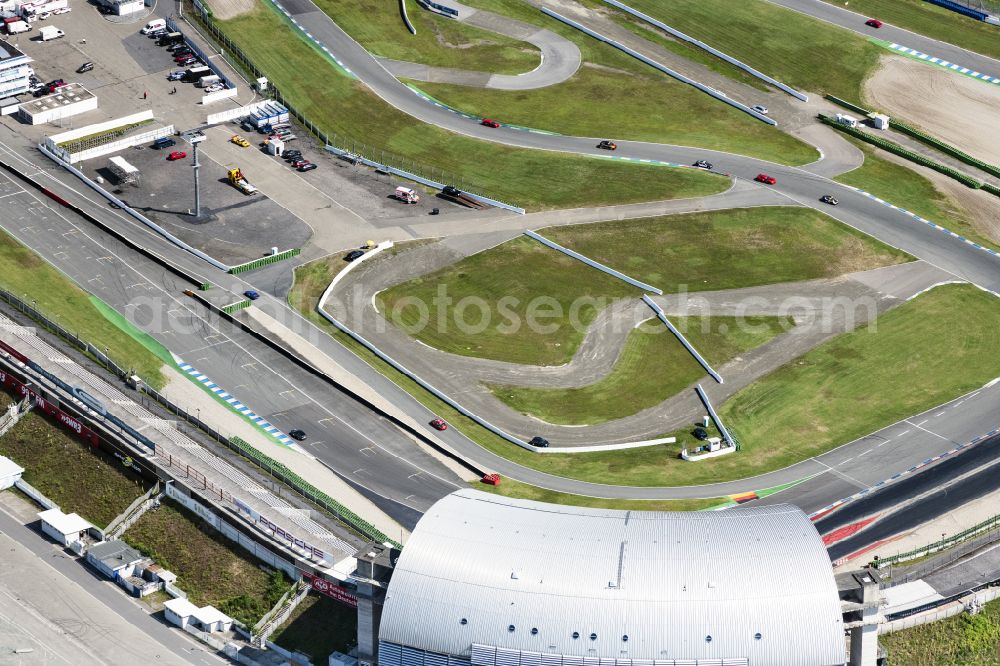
(485, 569)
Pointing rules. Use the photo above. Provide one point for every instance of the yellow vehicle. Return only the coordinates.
(240, 141)
(237, 180)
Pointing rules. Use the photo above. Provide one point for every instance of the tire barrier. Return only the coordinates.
(702, 45)
(196, 280)
(925, 138)
(264, 261)
(233, 308)
(661, 315)
(663, 68)
(892, 147)
(590, 262)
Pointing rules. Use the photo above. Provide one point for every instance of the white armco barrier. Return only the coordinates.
(702, 45)
(661, 315)
(444, 396)
(590, 262)
(663, 68)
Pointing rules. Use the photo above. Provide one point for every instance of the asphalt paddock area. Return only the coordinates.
(358, 188)
(233, 227)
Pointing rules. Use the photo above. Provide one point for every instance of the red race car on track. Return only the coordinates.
(764, 178)
(489, 122)
(439, 424)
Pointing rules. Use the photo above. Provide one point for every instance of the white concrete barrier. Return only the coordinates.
(219, 95)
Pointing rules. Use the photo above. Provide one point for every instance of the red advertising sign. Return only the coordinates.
(13, 352)
(331, 589)
(49, 408)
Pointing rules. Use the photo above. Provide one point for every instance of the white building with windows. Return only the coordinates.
(15, 70)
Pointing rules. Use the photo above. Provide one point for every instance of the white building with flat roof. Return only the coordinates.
(15, 70)
(183, 613)
(65, 528)
(70, 100)
(10, 473)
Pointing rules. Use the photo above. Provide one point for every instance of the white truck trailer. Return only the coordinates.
(50, 32)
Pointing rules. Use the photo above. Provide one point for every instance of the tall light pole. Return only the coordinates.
(195, 138)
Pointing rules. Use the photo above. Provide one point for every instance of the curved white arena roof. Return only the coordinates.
(552, 584)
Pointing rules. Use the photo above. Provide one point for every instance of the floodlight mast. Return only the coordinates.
(195, 138)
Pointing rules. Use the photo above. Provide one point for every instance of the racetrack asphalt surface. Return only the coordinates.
(916, 499)
(390, 475)
(798, 184)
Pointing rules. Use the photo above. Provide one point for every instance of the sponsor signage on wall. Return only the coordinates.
(277, 531)
(331, 589)
(189, 502)
(48, 407)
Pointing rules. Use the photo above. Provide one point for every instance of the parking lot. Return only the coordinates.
(361, 189)
(233, 227)
(336, 201)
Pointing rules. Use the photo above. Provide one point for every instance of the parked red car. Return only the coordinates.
(489, 122)
(176, 155)
(439, 424)
(764, 178)
(874, 23)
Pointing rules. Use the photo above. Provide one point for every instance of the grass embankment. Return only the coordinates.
(791, 47)
(614, 95)
(317, 627)
(936, 22)
(652, 367)
(900, 185)
(440, 41)
(933, 360)
(532, 179)
(511, 488)
(210, 568)
(940, 345)
(27, 275)
(755, 245)
(310, 281)
(956, 641)
(75, 476)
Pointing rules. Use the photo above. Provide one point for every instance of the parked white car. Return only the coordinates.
(44, 15)
(215, 87)
(62, 10)
(760, 108)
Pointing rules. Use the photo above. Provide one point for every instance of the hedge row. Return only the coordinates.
(903, 152)
(992, 189)
(946, 148)
(309, 491)
(846, 104)
(923, 137)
